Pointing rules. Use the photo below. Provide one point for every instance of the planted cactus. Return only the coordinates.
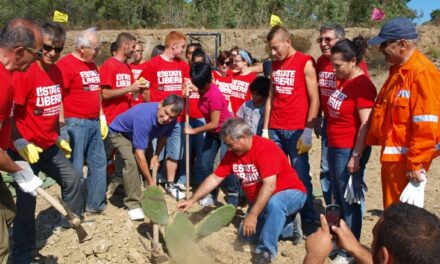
(154, 205)
(180, 233)
(180, 239)
(215, 220)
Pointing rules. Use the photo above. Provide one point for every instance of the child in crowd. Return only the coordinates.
(252, 111)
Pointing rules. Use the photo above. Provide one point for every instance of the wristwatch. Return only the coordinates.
(354, 154)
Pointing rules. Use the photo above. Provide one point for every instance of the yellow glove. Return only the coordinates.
(103, 125)
(304, 143)
(65, 147)
(28, 151)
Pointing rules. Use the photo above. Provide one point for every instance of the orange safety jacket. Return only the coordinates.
(405, 117)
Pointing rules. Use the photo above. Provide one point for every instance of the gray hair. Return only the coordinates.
(55, 31)
(83, 37)
(339, 31)
(235, 128)
(176, 102)
(12, 37)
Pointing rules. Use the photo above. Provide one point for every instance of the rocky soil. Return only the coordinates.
(113, 238)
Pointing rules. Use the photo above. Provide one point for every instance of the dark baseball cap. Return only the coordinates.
(395, 29)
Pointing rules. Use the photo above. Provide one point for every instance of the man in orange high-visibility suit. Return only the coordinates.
(405, 114)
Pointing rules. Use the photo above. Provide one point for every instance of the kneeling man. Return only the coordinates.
(273, 188)
(130, 134)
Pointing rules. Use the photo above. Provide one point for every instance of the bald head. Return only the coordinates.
(21, 32)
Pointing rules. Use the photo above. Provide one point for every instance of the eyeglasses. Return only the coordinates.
(138, 51)
(36, 53)
(96, 50)
(325, 39)
(227, 63)
(49, 48)
(385, 44)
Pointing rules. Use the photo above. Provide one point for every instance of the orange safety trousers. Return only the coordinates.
(394, 180)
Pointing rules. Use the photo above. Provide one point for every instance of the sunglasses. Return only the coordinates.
(49, 48)
(36, 53)
(227, 63)
(325, 39)
(385, 44)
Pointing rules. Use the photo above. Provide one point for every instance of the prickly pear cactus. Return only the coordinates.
(215, 220)
(180, 239)
(154, 205)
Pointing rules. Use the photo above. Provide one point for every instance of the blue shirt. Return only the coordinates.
(139, 124)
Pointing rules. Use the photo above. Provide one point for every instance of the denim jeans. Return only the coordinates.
(338, 159)
(86, 142)
(205, 165)
(52, 162)
(324, 175)
(286, 140)
(195, 150)
(275, 221)
(173, 150)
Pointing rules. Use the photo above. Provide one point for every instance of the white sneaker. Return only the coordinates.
(340, 259)
(206, 201)
(172, 190)
(180, 186)
(136, 214)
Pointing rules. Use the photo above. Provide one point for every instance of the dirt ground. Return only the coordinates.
(115, 239)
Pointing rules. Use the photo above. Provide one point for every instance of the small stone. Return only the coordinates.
(88, 251)
(135, 257)
(101, 246)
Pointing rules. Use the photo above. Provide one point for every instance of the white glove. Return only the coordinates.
(355, 190)
(304, 143)
(414, 192)
(265, 133)
(26, 179)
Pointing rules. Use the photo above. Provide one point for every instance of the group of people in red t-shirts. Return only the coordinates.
(63, 108)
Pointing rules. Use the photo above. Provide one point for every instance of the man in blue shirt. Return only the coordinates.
(130, 134)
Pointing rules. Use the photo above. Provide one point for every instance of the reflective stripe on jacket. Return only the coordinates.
(405, 117)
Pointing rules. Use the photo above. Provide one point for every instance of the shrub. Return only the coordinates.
(301, 43)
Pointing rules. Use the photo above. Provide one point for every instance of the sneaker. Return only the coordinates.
(341, 259)
(136, 214)
(261, 258)
(180, 186)
(206, 201)
(172, 190)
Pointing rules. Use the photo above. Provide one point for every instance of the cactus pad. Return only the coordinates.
(215, 220)
(180, 238)
(154, 206)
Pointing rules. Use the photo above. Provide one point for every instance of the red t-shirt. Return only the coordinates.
(81, 88)
(240, 91)
(165, 77)
(37, 99)
(6, 106)
(136, 69)
(116, 74)
(343, 121)
(264, 159)
(223, 83)
(290, 101)
(214, 100)
(327, 81)
(194, 111)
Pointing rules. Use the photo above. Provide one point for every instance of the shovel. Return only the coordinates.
(60, 207)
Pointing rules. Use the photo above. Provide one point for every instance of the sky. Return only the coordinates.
(427, 6)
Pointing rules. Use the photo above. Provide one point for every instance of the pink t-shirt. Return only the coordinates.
(214, 100)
